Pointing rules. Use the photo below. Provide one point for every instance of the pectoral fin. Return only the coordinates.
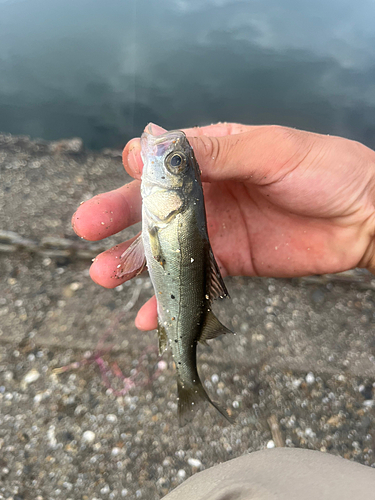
(163, 339)
(155, 245)
(133, 260)
(212, 328)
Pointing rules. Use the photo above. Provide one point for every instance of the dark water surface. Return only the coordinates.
(102, 69)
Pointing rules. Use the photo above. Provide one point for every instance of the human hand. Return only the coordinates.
(280, 202)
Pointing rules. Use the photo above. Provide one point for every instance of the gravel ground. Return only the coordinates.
(300, 371)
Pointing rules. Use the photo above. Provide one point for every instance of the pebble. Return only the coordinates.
(30, 377)
(88, 437)
(310, 378)
(270, 444)
(257, 337)
(368, 403)
(69, 146)
(297, 382)
(181, 474)
(8, 375)
(194, 462)
(162, 365)
(309, 432)
(75, 286)
(318, 296)
(105, 490)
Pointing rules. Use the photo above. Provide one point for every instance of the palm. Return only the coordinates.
(275, 229)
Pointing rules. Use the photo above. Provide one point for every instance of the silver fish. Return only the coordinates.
(174, 243)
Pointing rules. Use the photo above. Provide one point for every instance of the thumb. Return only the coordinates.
(259, 155)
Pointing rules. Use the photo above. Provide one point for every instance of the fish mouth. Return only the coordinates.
(156, 141)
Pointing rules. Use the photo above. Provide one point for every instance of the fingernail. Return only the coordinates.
(154, 129)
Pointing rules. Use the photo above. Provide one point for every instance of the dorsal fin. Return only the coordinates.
(215, 284)
(212, 328)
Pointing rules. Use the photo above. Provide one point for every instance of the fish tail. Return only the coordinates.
(191, 398)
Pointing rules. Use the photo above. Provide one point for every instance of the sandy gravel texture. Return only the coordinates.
(303, 356)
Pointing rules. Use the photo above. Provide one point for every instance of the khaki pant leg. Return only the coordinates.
(281, 474)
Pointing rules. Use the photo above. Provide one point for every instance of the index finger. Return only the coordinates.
(108, 213)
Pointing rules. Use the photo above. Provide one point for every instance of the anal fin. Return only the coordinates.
(212, 328)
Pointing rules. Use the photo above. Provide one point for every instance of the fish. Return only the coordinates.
(174, 245)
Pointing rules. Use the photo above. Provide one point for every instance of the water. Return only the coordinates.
(101, 70)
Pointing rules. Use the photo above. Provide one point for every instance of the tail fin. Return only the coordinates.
(190, 399)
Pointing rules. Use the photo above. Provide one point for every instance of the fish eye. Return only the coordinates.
(175, 162)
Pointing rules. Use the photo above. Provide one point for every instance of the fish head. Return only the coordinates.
(168, 158)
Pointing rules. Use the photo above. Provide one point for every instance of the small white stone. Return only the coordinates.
(88, 436)
(297, 382)
(115, 451)
(194, 462)
(111, 418)
(38, 397)
(105, 490)
(270, 444)
(368, 403)
(309, 432)
(162, 365)
(181, 474)
(215, 378)
(30, 377)
(51, 436)
(8, 375)
(191, 260)
(124, 492)
(310, 378)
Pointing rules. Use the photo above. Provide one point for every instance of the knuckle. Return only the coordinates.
(211, 147)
